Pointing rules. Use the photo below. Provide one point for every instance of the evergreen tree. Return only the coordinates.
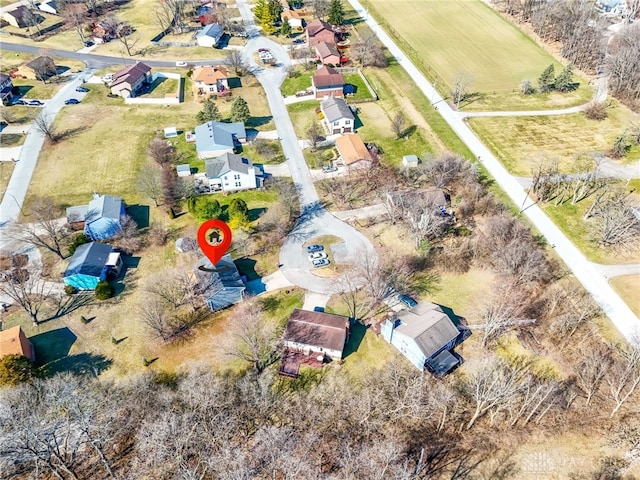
(285, 29)
(546, 81)
(209, 113)
(336, 12)
(240, 110)
(564, 81)
(15, 369)
(275, 9)
(261, 10)
(238, 213)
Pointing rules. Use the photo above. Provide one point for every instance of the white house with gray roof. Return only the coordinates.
(425, 335)
(215, 138)
(210, 35)
(230, 173)
(337, 115)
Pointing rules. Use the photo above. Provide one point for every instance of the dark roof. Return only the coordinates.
(317, 328)
(335, 109)
(316, 26)
(326, 77)
(222, 288)
(131, 74)
(40, 63)
(4, 77)
(442, 363)
(225, 163)
(88, 259)
(213, 30)
(428, 326)
(21, 14)
(326, 49)
(105, 206)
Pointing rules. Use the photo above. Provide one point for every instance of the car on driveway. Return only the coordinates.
(316, 255)
(82, 89)
(407, 300)
(321, 262)
(35, 103)
(72, 101)
(329, 168)
(20, 102)
(314, 248)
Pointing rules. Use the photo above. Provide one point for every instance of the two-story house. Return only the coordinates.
(337, 115)
(209, 80)
(40, 68)
(130, 80)
(327, 53)
(327, 82)
(316, 333)
(6, 88)
(230, 173)
(319, 31)
(215, 138)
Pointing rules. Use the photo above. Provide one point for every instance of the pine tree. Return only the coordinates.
(275, 9)
(336, 12)
(547, 79)
(564, 81)
(261, 10)
(238, 213)
(209, 113)
(286, 28)
(240, 110)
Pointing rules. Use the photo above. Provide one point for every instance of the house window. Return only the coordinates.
(335, 124)
(347, 122)
(236, 177)
(238, 184)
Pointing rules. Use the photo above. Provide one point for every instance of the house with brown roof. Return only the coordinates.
(319, 31)
(40, 68)
(316, 333)
(337, 115)
(327, 82)
(327, 53)
(19, 17)
(353, 152)
(294, 18)
(13, 341)
(128, 81)
(209, 80)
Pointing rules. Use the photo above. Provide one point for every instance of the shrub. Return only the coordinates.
(70, 290)
(104, 290)
(84, 319)
(204, 207)
(171, 213)
(15, 369)
(527, 87)
(596, 111)
(78, 240)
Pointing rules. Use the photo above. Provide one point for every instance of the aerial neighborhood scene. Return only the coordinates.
(319, 239)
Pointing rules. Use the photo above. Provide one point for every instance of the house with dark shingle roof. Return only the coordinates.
(40, 68)
(319, 31)
(231, 173)
(316, 333)
(6, 88)
(327, 53)
(425, 336)
(221, 288)
(327, 82)
(19, 17)
(128, 81)
(214, 138)
(337, 115)
(210, 35)
(90, 264)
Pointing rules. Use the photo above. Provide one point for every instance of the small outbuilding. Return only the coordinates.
(170, 132)
(13, 341)
(183, 170)
(410, 161)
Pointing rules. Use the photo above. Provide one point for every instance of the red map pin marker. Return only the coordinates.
(214, 238)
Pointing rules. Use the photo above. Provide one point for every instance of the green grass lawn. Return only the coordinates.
(161, 87)
(362, 92)
(292, 84)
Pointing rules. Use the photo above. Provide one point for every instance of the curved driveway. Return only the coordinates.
(590, 278)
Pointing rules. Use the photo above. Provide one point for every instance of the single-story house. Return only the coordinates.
(215, 138)
(425, 335)
(353, 152)
(230, 173)
(327, 82)
(107, 31)
(338, 117)
(319, 31)
(90, 264)
(48, 6)
(19, 17)
(13, 341)
(221, 288)
(209, 80)
(410, 161)
(183, 170)
(40, 68)
(101, 218)
(327, 53)
(6, 88)
(294, 18)
(128, 81)
(316, 333)
(210, 35)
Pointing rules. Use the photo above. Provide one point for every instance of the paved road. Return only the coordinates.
(610, 271)
(594, 282)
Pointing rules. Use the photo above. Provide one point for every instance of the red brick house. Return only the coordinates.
(318, 31)
(327, 53)
(327, 82)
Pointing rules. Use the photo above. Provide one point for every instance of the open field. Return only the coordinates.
(627, 287)
(521, 142)
(466, 36)
(6, 169)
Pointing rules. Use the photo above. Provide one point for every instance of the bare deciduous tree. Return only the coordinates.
(127, 239)
(27, 289)
(460, 88)
(45, 126)
(236, 61)
(149, 182)
(503, 310)
(616, 220)
(46, 230)
(367, 51)
(595, 364)
(314, 134)
(398, 124)
(624, 375)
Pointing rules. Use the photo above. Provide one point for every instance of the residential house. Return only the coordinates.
(19, 17)
(316, 333)
(353, 152)
(48, 6)
(294, 18)
(13, 341)
(327, 53)
(220, 288)
(410, 161)
(215, 138)
(230, 173)
(91, 263)
(40, 68)
(337, 116)
(130, 80)
(209, 80)
(319, 31)
(210, 35)
(327, 82)
(616, 7)
(105, 32)
(6, 88)
(425, 335)
(101, 218)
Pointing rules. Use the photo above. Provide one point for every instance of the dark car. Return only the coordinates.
(88, 43)
(19, 102)
(407, 300)
(72, 101)
(35, 103)
(82, 89)
(314, 248)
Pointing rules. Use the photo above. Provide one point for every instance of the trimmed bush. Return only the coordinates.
(104, 291)
(70, 290)
(78, 240)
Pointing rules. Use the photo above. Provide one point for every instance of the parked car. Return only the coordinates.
(88, 43)
(329, 168)
(181, 64)
(72, 101)
(35, 103)
(82, 89)
(407, 300)
(314, 248)
(316, 255)
(19, 102)
(321, 262)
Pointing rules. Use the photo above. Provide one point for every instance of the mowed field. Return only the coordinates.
(466, 36)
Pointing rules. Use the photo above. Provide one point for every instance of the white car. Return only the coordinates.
(317, 255)
(181, 64)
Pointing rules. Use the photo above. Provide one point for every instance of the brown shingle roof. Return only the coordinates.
(131, 74)
(209, 75)
(352, 149)
(290, 14)
(326, 49)
(316, 26)
(317, 329)
(13, 341)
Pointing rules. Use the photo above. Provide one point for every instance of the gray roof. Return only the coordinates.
(77, 214)
(318, 329)
(335, 109)
(4, 77)
(222, 288)
(226, 163)
(214, 30)
(105, 206)
(428, 326)
(88, 259)
(183, 167)
(410, 158)
(217, 134)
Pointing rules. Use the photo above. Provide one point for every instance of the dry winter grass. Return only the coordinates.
(627, 288)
